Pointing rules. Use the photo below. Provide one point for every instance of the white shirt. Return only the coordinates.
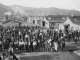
(55, 45)
(34, 43)
(49, 40)
(28, 43)
(20, 43)
(26, 36)
(40, 34)
(7, 59)
(2, 57)
(19, 33)
(11, 49)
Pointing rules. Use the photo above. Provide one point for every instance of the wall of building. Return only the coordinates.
(72, 25)
(39, 22)
(61, 26)
(29, 20)
(68, 21)
(46, 23)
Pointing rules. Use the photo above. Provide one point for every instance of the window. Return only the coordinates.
(49, 18)
(39, 22)
(76, 28)
(33, 21)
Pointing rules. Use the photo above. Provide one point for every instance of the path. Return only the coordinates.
(49, 56)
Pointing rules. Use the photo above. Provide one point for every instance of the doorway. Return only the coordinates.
(66, 28)
(43, 23)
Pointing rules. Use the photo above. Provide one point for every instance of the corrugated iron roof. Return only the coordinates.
(28, 23)
(75, 20)
(56, 18)
(62, 18)
(10, 23)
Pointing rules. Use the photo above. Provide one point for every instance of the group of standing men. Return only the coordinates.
(24, 38)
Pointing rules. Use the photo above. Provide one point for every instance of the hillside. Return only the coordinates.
(4, 9)
(30, 11)
(42, 11)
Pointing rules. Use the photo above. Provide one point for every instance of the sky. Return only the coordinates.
(63, 4)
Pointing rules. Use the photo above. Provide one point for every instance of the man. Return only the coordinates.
(29, 46)
(10, 50)
(26, 37)
(63, 45)
(69, 36)
(1, 57)
(20, 46)
(1, 45)
(14, 57)
(55, 45)
(26, 45)
(34, 45)
(77, 36)
(6, 46)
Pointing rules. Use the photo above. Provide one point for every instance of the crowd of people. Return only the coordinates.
(27, 39)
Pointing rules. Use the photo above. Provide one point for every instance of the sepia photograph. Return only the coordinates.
(39, 29)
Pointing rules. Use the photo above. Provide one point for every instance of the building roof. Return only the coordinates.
(1, 22)
(75, 20)
(25, 23)
(56, 18)
(36, 17)
(10, 23)
(62, 18)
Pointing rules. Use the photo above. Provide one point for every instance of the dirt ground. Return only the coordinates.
(49, 56)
